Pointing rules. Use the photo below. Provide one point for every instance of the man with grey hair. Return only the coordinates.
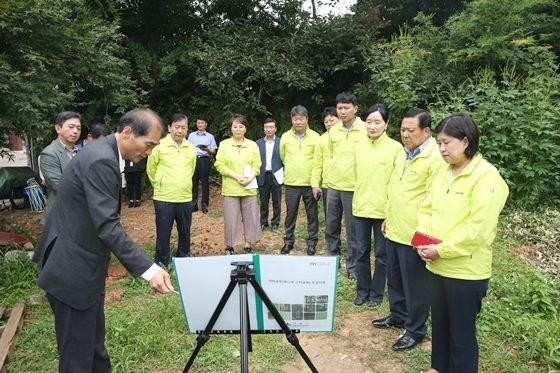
(301, 177)
(82, 231)
(55, 157)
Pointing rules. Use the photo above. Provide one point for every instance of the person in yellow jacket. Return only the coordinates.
(343, 137)
(298, 152)
(170, 169)
(375, 159)
(239, 163)
(406, 272)
(461, 209)
(329, 119)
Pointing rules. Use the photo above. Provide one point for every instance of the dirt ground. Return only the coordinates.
(353, 349)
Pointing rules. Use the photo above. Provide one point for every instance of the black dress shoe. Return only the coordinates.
(286, 249)
(359, 302)
(195, 209)
(263, 227)
(311, 250)
(204, 210)
(274, 227)
(387, 322)
(136, 203)
(130, 204)
(352, 276)
(405, 343)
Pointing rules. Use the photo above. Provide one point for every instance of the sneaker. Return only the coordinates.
(136, 203)
(229, 251)
(130, 204)
(352, 276)
(275, 227)
(373, 304)
(263, 227)
(248, 250)
(204, 209)
(359, 302)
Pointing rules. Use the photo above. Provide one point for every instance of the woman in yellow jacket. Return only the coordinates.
(461, 209)
(239, 163)
(375, 158)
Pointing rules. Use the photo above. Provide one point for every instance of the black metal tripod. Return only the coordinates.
(241, 275)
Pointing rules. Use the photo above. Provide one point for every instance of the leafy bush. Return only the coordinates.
(520, 132)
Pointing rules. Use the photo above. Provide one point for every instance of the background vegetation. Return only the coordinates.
(494, 59)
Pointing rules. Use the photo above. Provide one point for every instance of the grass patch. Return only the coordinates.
(518, 327)
(216, 213)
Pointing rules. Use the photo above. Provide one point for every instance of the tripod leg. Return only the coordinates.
(290, 335)
(205, 335)
(249, 338)
(243, 327)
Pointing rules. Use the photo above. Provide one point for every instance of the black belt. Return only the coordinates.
(202, 156)
(268, 172)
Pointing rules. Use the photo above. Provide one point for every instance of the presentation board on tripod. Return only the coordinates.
(302, 288)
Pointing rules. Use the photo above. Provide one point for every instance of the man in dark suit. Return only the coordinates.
(55, 157)
(83, 229)
(269, 147)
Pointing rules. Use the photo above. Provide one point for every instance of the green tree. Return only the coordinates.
(58, 55)
(258, 58)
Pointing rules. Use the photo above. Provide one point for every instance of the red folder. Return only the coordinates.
(420, 239)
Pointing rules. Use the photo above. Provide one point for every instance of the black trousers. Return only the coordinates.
(134, 185)
(166, 214)
(80, 337)
(202, 174)
(266, 191)
(293, 195)
(455, 306)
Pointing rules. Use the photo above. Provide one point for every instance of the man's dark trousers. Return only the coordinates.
(407, 285)
(266, 191)
(202, 173)
(80, 337)
(166, 214)
(293, 195)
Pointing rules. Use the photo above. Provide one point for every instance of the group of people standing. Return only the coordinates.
(441, 187)
(438, 186)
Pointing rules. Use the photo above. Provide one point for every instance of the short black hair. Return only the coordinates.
(202, 117)
(65, 115)
(97, 130)
(381, 108)
(424, 118)
(461, 125)
(346, 98)
(270, 120)
(329, 110)
(140, 120)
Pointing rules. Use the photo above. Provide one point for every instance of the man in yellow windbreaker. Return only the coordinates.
(170, 170)
(406, 271)
(298, 152)
(343, 137)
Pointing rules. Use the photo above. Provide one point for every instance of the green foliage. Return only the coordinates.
(520, 132)
(58, 55)
(17, 278)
